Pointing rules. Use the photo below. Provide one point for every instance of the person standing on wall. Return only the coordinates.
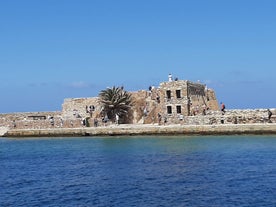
(222, 107)
(269, 115)
(117, 119)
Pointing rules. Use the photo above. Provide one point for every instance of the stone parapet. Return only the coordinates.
(145, 129)
(29, 119)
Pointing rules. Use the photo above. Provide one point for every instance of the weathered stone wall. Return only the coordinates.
(142, 102)
(3, 131)
(77, 108)
(185, 96)
(235, 116)
(80, 107)
(29, 119)
(148, 129)
(244, 116)
(212, 102)
(191, 104)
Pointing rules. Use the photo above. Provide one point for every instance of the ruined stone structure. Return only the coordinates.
(185, 98)
(170, 102)
(174, 102)
(31, 120)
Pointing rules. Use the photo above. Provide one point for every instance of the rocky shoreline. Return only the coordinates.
(146, 129)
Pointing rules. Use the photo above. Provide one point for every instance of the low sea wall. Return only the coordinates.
(251, 121)
(145, 129)
(45, 120)
(3, 131)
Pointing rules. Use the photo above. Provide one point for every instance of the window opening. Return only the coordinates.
(169, 109)
(178, 109)
(169, 96)
(178, 94)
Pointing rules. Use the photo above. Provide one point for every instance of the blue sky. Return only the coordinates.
(56, 49)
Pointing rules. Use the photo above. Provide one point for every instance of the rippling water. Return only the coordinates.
(139, 171)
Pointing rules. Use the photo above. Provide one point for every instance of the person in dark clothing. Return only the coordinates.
(269, 115)
(222, 107)
(159, 118)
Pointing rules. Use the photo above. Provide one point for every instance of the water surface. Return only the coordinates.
(139, 171)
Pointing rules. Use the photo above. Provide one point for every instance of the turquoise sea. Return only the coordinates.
(139, 171)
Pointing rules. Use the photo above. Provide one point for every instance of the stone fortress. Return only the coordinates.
(170, 102)
(173, 102)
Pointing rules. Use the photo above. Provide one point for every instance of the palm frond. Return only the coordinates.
(115, 100)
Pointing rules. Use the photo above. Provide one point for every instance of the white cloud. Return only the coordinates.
(214, 83)
(80, 85)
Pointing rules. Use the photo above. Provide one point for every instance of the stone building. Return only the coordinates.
(186, 98)
(170, 102)
(174, 100)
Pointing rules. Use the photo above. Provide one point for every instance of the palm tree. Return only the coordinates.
(115, 100)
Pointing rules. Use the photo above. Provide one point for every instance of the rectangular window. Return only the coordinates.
(169, 109)
(178, 109)
(178, 94)
(169, 96)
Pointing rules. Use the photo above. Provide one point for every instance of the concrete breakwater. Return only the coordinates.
(147, 129)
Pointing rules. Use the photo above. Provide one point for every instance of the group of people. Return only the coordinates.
(154, 94)
(160, 119)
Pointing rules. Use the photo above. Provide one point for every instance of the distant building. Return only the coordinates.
(186, 98)
(172, 99)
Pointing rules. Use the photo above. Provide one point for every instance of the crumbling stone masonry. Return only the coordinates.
(173, 102)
